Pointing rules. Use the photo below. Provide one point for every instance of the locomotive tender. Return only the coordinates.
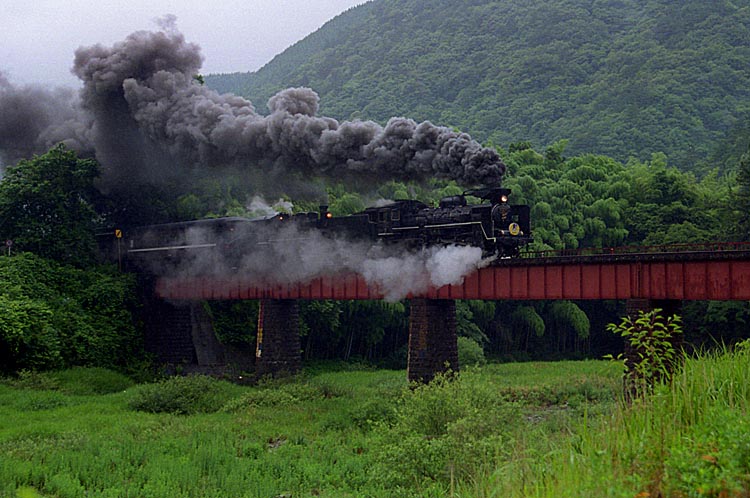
(498, 228)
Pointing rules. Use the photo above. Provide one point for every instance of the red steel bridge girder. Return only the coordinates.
(710, 279)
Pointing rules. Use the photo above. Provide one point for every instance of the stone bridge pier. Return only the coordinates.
(181, 337)
(433, 343)
(278, 350)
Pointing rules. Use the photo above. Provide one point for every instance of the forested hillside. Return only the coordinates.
(616, 77)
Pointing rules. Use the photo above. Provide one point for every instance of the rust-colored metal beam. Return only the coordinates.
(697, 278)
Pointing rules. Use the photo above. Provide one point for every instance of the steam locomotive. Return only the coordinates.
(497, 227)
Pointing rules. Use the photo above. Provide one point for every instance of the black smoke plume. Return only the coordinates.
(33, 119)
(145, 117)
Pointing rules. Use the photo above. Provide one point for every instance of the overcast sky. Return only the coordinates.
(39, 37)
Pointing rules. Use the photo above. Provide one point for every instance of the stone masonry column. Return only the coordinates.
(433, 341)
(277, 350)
(181, 334)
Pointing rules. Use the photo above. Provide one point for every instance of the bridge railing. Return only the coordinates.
(655, 249)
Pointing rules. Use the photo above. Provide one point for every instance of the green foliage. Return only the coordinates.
(339, 437)
(714, 460)
(470, 353)
(687, 439)
(181, 395)
(57, 316)
(234, 322)
(566, 315)
(465, 326)
(320, 317)
(32, 379)
(79, 381)
(280, 396)
(443, 431)
(350, 329)
(27, 336)
(624, 78)
(741, 204)
(82, 381)
(348, 203)
(653, 356)
(528, 320)
(46, 206)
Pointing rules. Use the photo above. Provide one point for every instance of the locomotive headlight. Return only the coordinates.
(503, 198)
(329, 215)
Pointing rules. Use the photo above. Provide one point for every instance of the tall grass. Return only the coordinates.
(536, 429)
(691, 438)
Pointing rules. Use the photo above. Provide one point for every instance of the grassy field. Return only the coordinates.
(531, 429)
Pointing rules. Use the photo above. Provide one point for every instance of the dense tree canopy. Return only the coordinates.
(54, 316)
(46, 206)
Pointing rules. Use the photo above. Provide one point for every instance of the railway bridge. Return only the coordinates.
(644, 277)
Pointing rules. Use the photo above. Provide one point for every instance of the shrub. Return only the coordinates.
(370, 412)
(181, 395)
(54, 316)
(29, 379)
(442, 430)
(470, 352)
(279, 396)
(28, 338)
(652, 355)
(711, 457)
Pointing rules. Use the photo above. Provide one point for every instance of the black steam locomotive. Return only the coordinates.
(498, 228)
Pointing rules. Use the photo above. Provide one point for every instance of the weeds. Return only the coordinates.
(182, 395)
(652, 355)
(537, 429)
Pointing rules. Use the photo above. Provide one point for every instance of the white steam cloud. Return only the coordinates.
(290, 255)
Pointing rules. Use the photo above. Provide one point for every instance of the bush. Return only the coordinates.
(182, 395)
(470, 352)
(445, 429)
(651, 356)
(371, 412)
(29, 379)
(713, 459)
(28, 339)
(279, 396)
(54, 316)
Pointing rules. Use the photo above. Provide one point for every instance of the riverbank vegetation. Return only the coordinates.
(533, 429)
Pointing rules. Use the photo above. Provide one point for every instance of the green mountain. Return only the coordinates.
(625, 78)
